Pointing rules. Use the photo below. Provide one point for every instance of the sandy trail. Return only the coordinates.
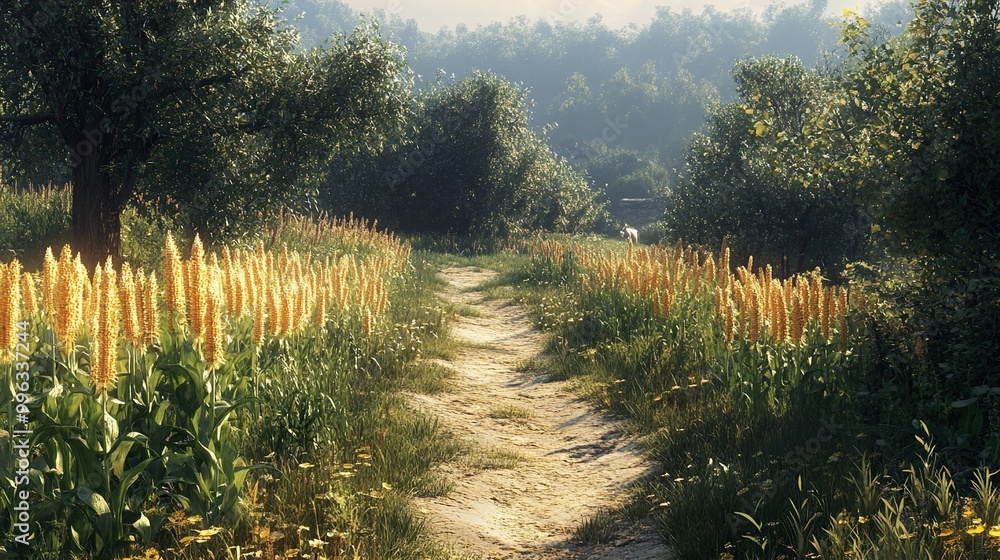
(577, 460)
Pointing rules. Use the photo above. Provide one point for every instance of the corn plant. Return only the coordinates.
(143, 384)
(727, 362)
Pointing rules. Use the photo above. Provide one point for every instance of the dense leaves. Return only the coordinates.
(928, 102)
(202, 108)
(760, 177)
(469, 166)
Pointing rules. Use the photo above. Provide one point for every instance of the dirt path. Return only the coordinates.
(574, 459)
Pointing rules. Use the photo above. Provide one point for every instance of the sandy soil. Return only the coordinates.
(577, 459)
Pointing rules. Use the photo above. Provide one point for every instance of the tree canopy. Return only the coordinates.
(767, 178)
(469, 165)
(206, 109)
(657, 77)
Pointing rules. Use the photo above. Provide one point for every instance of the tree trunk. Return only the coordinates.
(96, 213)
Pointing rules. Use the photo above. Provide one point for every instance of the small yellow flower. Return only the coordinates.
(995, 531)
(975, 529)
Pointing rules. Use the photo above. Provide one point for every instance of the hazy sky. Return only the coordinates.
(432, 14)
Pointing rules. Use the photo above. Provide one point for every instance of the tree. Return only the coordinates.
(627, 174)
(929, 100)
(927, 105)
(768, 176)
(470, 165)
(203, 108)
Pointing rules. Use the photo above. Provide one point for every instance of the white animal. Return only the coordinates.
(631, 234)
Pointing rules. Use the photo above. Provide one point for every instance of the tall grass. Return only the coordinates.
(240, 398)
(748, 389)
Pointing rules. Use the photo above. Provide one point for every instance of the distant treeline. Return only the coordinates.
(621, 103)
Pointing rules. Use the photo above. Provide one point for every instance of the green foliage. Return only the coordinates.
(626, 174)
(923, 106)
(914, 511)
(657, 78)
(760, 178)
(470, 167)
(144, 235)
(933, 363)
(927, 100)
(111, 467)
(125, 95)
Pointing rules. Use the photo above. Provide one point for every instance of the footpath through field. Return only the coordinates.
(573, 460)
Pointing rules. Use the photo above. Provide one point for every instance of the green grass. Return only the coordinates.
(440, 346)
(465, 310)
(492, 458)
(531, 366)
(433, 484)
(362, 495)
(500, 261)
(427, 377)
(31, 220)
(510, 412)
(599, 528)
(496, 293)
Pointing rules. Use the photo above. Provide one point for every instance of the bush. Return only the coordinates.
(470, 166)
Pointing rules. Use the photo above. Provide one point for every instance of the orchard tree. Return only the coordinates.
(771, 175)
(474, 167)
(203, 108)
